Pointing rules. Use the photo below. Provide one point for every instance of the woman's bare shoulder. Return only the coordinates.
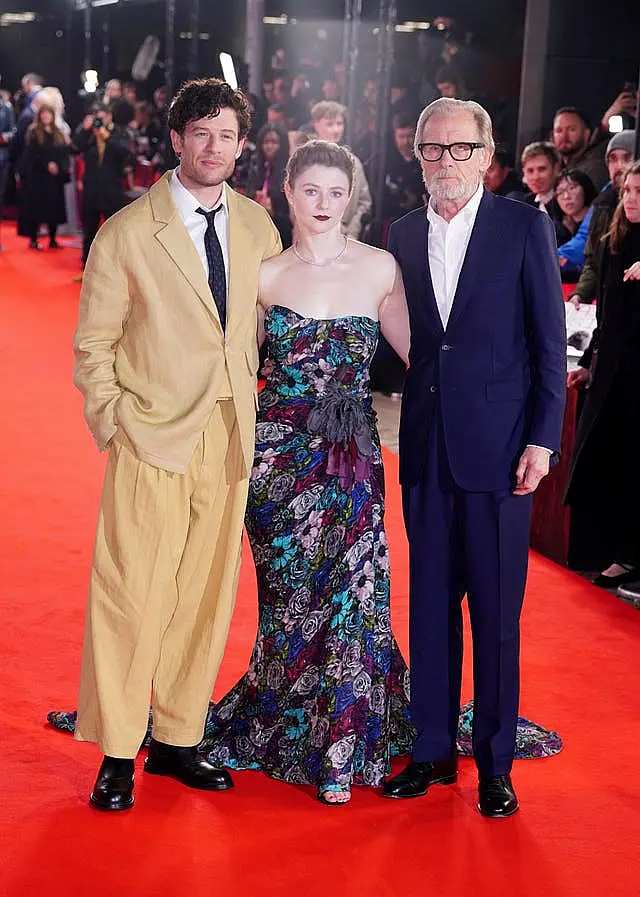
(270, 270)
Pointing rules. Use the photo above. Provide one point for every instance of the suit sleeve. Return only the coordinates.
(273, 241)
(104, 306)
(547, 334)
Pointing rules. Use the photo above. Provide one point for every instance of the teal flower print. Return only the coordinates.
(292, 383)
(343, 602)
(285, 550)
(298, 725)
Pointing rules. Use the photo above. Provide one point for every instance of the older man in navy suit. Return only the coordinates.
(481, 420)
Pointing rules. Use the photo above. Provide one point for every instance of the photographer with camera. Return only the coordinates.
(104, 141)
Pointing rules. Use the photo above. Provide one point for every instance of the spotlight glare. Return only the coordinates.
(228, 70)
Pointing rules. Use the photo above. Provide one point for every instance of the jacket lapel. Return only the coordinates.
(240, 239)
(479, 252)
(174, 237)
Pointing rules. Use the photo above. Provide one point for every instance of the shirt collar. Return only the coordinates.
(187, 202)
(544, 198)
(466, 215)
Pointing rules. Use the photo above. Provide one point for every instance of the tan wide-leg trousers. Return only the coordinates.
(162, 590)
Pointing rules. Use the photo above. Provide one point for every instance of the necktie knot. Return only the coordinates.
(209, 215)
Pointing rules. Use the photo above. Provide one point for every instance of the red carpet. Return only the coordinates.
(577, 833)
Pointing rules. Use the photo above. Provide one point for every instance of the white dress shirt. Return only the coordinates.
(541, 200)
(196, 223)
(448, 242)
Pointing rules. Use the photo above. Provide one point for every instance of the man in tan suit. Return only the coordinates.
(166, 359)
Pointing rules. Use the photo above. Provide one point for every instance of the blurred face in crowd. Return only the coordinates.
(267, 89)
(276, 116)
(495, 175)
(270, 145)
(331, 129)
(631, 198)
(371, 92)
(113, 91)
(403, 139)
(570, 198)
(447, 89)
(448, 180)
(617, 161)
(208, 149)
(130, 94)
(569, 133)
(281, 90)
(398, 93)
(160, 98)
(330, 89)
(46, 116)
(319, 198)
(539, 174)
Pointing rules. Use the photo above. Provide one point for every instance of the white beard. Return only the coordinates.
(445, 191)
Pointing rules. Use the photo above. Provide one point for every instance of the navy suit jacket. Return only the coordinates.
(497, 373)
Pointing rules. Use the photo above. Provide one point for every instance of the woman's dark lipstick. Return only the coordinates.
(321, 217)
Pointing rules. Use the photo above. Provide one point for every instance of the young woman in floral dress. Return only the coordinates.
(325, 698)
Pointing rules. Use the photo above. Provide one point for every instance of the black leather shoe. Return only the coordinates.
(113, 789)
(497, 798)
(416, 778)
(187, 766)
(612, 582)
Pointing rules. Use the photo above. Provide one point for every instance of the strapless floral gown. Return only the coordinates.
(325, 698)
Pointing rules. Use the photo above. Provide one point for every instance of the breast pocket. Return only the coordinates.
(505, 390)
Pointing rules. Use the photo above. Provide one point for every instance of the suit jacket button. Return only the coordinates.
(433, 389)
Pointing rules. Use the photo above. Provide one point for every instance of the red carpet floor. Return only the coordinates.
(577, 833)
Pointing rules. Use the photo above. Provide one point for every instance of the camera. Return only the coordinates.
(97, 122)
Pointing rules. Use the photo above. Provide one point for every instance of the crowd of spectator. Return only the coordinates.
(122, 145)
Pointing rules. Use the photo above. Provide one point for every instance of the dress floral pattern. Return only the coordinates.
(325, 698)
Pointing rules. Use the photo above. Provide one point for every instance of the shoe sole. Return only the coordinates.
(172, 775)
(445, 780)
(498, 815)
(109, 808)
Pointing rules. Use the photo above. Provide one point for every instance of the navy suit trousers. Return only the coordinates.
(473, 543)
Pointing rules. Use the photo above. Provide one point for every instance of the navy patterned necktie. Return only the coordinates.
(215, 263)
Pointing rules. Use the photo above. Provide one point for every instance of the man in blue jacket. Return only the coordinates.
(481, 418)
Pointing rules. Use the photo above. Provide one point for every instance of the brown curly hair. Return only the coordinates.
(204, 98)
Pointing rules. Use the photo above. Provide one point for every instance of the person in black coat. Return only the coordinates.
(107, 148)
(602, 474)
(266, 177)
(45, 165)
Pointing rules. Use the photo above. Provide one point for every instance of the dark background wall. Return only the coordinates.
(593, 49)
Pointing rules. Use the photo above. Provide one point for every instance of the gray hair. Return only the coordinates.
(444, 106)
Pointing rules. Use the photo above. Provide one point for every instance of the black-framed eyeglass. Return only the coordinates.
(459, 152)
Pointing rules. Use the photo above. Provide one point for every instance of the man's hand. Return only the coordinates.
(533, 466)
(625, 102)
(579, 377)
(632, 273)
(52, 168)
(574, 299)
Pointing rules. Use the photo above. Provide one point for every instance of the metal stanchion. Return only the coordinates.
(194, 43)
(388, 18)
(636, 144)
(169, 50)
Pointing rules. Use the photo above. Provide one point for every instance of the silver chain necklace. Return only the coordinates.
(320, 264)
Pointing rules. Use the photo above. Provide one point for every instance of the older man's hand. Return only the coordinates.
(533, 466)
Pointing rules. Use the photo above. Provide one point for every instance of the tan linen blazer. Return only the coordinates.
(151, 355)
